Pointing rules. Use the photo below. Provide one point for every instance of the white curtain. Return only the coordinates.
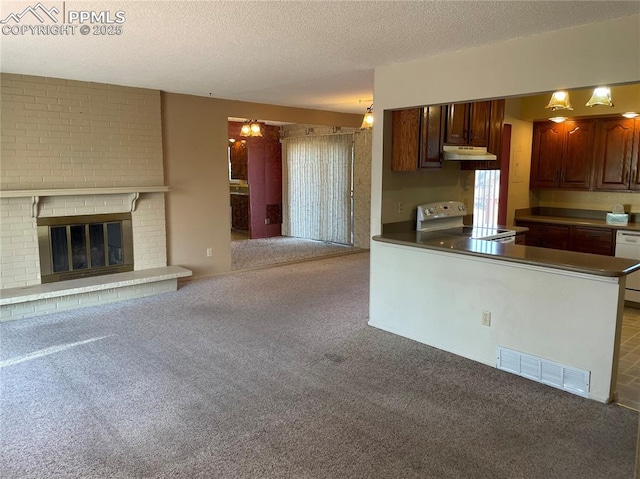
(317, 172)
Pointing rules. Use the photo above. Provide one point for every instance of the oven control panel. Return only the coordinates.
(440, 215)
(442, 209)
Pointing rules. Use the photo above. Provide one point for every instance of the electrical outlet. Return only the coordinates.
(400, 207)
(486, 318)
(209, 252)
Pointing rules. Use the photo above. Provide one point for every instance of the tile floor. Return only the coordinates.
(629, 365)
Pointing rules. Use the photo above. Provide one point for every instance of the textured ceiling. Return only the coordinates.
(314, 54)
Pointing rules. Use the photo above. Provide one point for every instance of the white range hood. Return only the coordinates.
(467, 153)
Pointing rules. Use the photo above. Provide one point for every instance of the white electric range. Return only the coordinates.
(448, 215)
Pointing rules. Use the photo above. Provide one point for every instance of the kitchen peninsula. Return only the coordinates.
(564, 308)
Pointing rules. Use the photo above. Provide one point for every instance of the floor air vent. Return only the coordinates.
(563, 377)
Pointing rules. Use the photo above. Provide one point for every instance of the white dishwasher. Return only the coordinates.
(628, 246)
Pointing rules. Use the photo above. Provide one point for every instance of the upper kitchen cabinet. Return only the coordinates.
(493, 134)
(431, 137)
(468, 123)
(405, 139)
(416, 138)
(617, 155)
(562, 154)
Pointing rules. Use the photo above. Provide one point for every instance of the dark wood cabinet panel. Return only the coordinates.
(479, 123)
(468, 123)
(593, 240)
(457, 124)
(562, 154)
(577, 158)
(614, 154)
(495, 140)
(583, 239)
(547, 236)
(546, 155)
(431, 137)
(240, 212)
(405, 139)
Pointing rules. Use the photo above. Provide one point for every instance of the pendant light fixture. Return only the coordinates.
(601, 96)
(251, 128)
(559, 101)
(367, 121)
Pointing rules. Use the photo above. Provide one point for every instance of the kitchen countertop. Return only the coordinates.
(452, 242)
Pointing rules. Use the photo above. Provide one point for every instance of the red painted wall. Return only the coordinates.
(264, 171)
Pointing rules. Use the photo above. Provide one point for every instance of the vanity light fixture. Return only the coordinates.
(559, 101)
(558, 119)
(601, 96)
(367, 121)
(631, 114)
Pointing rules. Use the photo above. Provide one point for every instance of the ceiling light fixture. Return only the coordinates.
(559, 101)
(558, 119)
(251, 128)
(601, 96)
(630, 114)
(367, 121)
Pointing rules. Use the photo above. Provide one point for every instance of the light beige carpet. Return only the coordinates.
(255, 253)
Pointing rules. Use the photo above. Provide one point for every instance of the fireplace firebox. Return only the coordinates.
(74, 247)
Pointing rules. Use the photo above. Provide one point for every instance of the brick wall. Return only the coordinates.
(63, 133)
(69, 134)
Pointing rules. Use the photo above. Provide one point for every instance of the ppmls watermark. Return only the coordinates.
(57, 20)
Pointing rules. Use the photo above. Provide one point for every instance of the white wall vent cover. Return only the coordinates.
(563, 377)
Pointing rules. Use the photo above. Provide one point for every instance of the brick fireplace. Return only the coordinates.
(74, 148)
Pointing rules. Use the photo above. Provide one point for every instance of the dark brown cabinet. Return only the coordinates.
(616, 155)
(430, 137)
(405, 139)
(547, 235)
(468, 123)
(593, 240)
(416, 138)
(584, 239)
(494, 142)
(562, 154)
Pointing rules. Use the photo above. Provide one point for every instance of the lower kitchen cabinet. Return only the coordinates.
(593, 240)
(547, 235)
(583, 239)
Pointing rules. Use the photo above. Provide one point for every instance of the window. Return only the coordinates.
(486, 197)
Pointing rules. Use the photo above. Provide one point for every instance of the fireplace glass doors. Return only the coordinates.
(79, 246)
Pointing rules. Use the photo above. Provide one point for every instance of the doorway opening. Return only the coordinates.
(291, 193)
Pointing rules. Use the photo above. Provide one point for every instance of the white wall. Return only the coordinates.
(600, 53)
(520, 159)
(575, 325)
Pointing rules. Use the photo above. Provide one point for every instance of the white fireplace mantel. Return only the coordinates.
(35, 195)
